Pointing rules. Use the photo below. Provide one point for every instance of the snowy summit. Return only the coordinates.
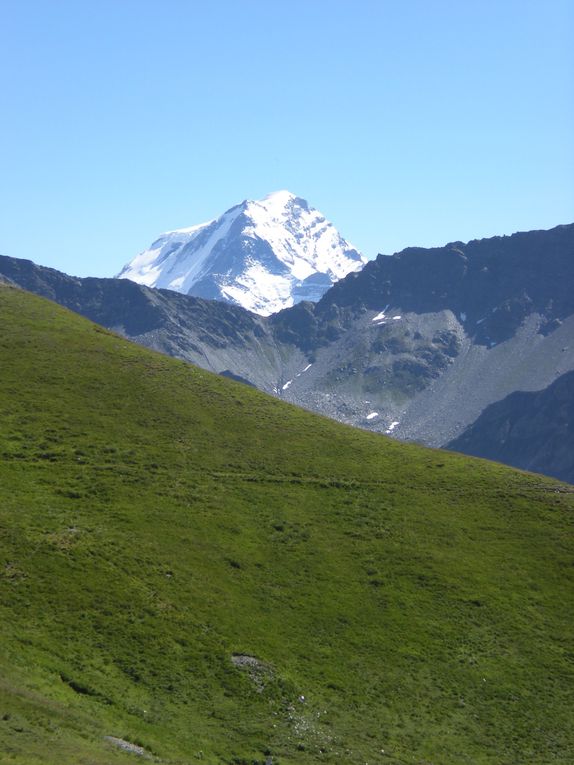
(264, 256)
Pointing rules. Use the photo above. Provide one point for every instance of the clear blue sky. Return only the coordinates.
(406, 122)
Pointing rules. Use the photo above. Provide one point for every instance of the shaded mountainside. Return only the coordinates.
(418, 344)
(532, 431)
(492, 285)
(201, 572)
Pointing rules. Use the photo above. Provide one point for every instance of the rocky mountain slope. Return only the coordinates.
(191, 571)
(425, 340)
(533, 431)
(416, 345)
(262, 255)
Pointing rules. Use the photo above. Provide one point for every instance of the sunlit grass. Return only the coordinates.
(156, 520)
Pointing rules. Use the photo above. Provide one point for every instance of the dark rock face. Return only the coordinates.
(532, 431)
(104, 301)
(475, 323)
(494, 283)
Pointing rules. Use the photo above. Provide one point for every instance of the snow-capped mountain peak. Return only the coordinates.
(264, 255)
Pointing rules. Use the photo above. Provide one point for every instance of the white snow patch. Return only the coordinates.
(321, 248)
(259, 290)
(391, 427)
(372, 415)
(162, 266)
(190, 229)
(380, 317)
(303, 370)
(287, 384)
(397, 317)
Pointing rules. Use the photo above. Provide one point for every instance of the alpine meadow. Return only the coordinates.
(193, 571)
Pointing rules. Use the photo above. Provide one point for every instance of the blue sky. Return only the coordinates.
(406, 122)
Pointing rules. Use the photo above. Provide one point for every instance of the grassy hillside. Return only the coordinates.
(213, 575)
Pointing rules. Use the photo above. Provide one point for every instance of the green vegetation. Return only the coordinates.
(157, 523)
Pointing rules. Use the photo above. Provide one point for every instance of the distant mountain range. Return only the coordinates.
(264, 256)
(418, 345)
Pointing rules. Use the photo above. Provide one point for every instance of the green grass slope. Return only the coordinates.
(400, 605)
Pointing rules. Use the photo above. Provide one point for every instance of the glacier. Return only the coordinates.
(263, 255)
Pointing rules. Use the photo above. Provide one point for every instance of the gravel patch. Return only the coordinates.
(127, 746)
